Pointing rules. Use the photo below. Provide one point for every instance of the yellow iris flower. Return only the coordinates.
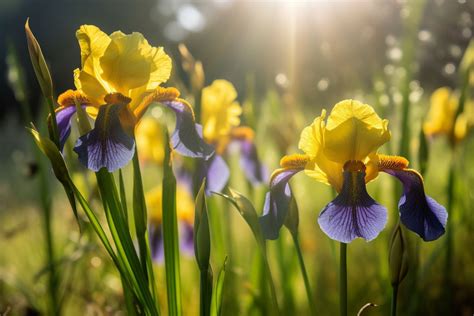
(118, 63)
(220, 111)
(352, 132)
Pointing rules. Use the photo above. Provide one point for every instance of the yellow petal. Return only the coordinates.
(160, 67)
(311, 137)
(353, 131)
(325, 171)
(123, 63)
(90, 86)
(93, 43)
(219, 110)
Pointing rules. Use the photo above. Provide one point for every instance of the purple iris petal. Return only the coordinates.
(187, 136)
(186, 242)
(353, 213)
(419, 212)
(277, 204)
(107, 145)
(155, 233)
(254, 170)
(63, 117)
(217, 174)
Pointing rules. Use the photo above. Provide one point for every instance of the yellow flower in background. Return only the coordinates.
(149, 138)
(353, 132)
(441, 118)
(121, 63)
(184, 204)
(219, 111)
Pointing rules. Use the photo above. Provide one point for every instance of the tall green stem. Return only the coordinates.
(393, 309)
(307, 286)
(343, 279)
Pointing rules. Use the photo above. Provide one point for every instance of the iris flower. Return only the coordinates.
(119, 78)
(185, 214)
(342, 152)
(441, 119)
(220, 117)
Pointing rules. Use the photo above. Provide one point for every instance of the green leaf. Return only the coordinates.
(247, 211)
(170, 234)
(218, 292)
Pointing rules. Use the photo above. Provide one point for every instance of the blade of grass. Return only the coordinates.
(170, 234)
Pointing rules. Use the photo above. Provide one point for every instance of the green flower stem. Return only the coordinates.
(206, 291)
(141, 218)
(393, 309)
(343, 279)
(307, 286)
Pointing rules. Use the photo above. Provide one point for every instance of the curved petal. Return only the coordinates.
(63, 118)
(155, 235)
(187, 136)
(353, 213)
(107, 145)
(419, 212)
(353, 131)
(277, 203)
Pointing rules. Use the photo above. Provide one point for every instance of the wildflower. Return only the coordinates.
(119, 78)
(442, 120)
(220, 117)
(185, 214)
(342, 152)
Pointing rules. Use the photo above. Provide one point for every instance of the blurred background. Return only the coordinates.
(289, 59)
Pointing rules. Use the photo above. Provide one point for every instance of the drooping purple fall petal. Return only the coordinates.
(63, 118)
(353, 213)
(107, 145)
(187, 137)
(419, 212)
(254, 170)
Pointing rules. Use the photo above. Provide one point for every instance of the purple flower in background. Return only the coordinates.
(342, 152)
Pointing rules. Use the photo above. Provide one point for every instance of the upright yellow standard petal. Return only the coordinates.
(122, 63)
(219, 110)
(353, 131)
